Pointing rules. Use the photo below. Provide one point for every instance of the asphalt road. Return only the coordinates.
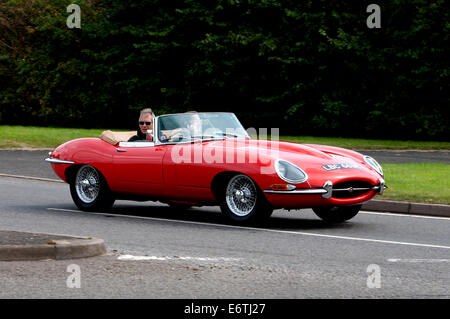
(157, 252)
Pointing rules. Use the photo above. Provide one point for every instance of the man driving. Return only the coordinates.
(145, 129)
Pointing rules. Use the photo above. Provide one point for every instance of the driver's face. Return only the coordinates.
(144, 127)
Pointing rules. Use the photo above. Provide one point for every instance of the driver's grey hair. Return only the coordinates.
(147, 111)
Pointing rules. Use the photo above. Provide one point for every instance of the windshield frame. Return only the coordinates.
(194, 140)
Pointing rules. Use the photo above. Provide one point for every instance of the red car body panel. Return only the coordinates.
(185, 172)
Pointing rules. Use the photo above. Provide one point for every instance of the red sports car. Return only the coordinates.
(200, 159)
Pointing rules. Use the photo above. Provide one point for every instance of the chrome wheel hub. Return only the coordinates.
(241, 195)
(87, 184)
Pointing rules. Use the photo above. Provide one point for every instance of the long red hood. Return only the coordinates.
(310, 158)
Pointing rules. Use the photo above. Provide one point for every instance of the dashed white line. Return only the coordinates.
(267, 230)
(404, 215)
(165, 258)
(395, 260)
(42, 179)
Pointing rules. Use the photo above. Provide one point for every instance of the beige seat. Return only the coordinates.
(116, 137)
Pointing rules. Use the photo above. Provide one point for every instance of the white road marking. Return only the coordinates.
(266, 230)
(165, 258)
(32, 178)
(404, 215)
(394, 260)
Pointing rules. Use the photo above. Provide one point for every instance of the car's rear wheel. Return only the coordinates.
(243, 202)
(89, 190)
(337, 214)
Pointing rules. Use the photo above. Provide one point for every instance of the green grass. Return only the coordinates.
(40, 137)
(50, 137)
(424, 183)
(428, 183)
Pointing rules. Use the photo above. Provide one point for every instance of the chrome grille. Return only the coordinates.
(351, 189)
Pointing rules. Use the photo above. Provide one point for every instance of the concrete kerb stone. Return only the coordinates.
(67, 248)
(80, 248)
(407, 208)
(26, 252)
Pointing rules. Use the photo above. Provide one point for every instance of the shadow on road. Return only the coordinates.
(280, 220)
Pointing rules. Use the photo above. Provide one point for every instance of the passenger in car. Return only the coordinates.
(194, 124)
(192, 127)
(145, 130)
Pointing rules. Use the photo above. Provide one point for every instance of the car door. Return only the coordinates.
(138, 168)
(188, 177)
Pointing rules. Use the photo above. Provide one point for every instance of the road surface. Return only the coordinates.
(157, 252)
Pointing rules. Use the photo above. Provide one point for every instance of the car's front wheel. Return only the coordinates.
(89, 190)
(337, 214)
(243, 202)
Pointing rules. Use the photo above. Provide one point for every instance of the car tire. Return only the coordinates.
(243, 202)
(89, 190)
(337, 214)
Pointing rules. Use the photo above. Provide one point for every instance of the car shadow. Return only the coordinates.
(280, 220)
(212, 215)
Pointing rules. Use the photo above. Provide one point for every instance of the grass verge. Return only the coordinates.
(422, 183)
(40, 137)
(50, 137)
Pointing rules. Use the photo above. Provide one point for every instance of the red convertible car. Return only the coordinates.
(206, 158)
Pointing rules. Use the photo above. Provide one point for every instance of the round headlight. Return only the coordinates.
(289, 172)
(374, 164)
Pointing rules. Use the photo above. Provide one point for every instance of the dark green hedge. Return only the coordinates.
(308, 67)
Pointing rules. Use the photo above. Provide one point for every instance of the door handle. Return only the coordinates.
(120, 150)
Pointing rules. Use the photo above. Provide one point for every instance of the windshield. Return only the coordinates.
(190, 126)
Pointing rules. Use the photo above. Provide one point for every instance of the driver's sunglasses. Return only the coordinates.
(146, 123)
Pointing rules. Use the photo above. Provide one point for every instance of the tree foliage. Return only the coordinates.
(308, 67)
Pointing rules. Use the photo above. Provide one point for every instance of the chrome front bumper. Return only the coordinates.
(327, 190)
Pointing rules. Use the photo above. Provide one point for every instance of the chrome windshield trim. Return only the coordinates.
(58, 161)
(155, 131)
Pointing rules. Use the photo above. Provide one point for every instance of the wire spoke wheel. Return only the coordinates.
(87, 184)
(241, 195)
